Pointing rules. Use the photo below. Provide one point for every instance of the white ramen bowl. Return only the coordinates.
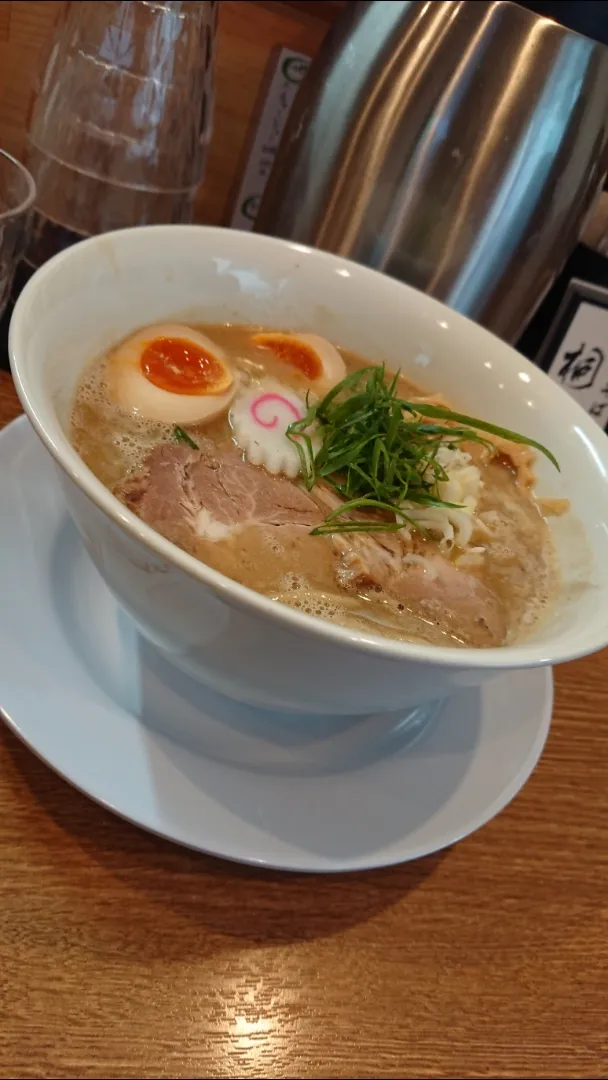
(238, 642)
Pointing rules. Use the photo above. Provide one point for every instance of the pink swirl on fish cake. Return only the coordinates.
(263, 400)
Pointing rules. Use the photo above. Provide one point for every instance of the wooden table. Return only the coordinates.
(124, 956)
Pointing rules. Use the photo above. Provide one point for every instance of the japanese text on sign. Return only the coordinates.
(580, 364)
(290, 69)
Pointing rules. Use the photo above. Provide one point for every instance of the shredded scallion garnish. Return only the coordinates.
(182, 436)
(378, 451)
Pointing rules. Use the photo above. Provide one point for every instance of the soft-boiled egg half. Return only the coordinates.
(171, 373)
(313, 356)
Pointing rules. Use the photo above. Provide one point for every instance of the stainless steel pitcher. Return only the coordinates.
(457, 146)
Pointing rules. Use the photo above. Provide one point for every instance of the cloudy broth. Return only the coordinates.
(492, 591)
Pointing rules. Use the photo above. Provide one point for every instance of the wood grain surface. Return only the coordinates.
(124, 956)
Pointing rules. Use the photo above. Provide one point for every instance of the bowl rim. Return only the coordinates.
(51, 434)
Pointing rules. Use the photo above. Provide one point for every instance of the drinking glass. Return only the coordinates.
(122, 119)
(17, 194)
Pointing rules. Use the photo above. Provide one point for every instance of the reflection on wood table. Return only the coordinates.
(124, 956)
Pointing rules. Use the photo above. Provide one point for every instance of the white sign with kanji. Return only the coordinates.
(289, 69)
(580, 364)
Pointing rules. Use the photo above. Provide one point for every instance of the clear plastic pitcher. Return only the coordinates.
(122, 118)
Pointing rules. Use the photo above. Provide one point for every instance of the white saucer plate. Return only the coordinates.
(87, 694)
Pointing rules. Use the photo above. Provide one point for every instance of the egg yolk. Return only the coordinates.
(291, 351)
(182, 367)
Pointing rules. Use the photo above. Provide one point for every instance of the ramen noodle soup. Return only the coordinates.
(322, 481)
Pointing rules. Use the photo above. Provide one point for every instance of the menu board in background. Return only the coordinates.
(286, 71)
(575, 354)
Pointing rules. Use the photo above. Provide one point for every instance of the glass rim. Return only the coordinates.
(27, 202)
